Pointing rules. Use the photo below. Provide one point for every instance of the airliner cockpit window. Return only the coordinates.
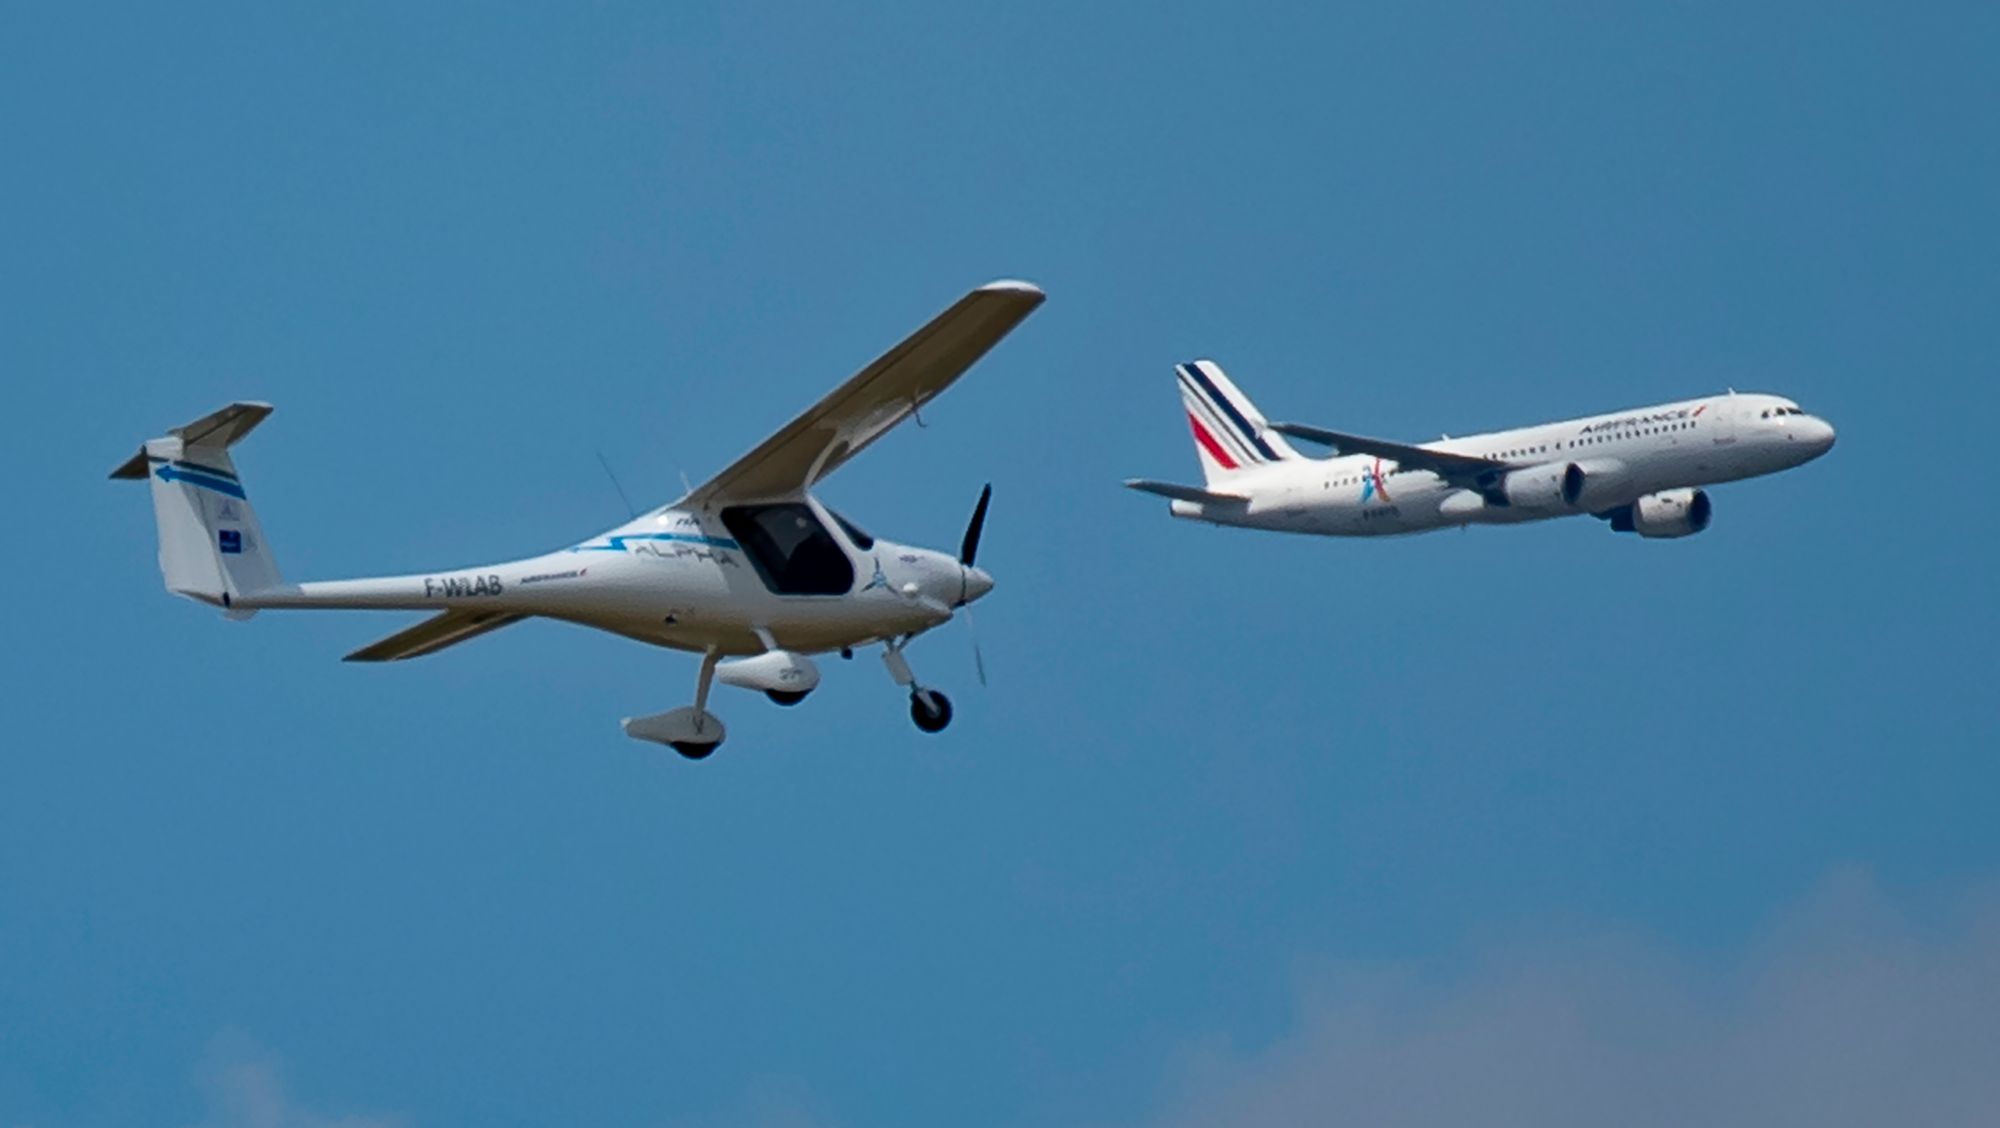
(790, 549)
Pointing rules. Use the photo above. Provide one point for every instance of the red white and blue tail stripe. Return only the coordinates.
(1230, 434)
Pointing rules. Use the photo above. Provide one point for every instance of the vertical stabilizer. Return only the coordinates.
(1230, 434)
(211, 545)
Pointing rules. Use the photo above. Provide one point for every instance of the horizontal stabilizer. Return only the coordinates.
(1179, 492)
(434, 634)
(220, 430)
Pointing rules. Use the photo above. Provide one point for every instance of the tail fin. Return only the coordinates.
(1230, 434)
(211, 546)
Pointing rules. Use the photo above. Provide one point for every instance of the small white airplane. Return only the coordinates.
(1641, 470)
(749, 569)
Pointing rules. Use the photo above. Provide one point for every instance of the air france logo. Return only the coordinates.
(1373, 485)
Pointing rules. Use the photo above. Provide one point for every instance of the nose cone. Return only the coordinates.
(976, 581)
(1817, 434)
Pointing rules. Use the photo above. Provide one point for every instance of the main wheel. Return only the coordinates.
(786, 697)
(695, 750)
(930, 709)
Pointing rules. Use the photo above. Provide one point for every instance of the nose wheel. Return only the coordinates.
(930, 709)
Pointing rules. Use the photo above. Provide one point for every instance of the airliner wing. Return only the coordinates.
(434, 634)
(875, 399)
(1453, 467)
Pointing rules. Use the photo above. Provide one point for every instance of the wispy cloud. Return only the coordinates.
(1846, 1012)
(245, 1088)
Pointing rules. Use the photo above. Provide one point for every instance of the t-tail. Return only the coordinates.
(1230, 434)
(211, 547)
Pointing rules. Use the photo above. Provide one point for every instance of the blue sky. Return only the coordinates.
(1247, 828)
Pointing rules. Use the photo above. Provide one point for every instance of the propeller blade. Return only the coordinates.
(978, 659)
(969, 548)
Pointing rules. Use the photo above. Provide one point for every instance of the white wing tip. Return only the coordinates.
(1011, 286)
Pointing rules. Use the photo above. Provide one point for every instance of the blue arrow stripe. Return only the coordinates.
(198, 468)
(617, 543)
(172, 473)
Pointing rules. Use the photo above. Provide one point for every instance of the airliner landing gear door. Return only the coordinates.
(791, 549)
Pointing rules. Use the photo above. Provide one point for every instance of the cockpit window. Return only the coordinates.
(790, 549)
(861, 540)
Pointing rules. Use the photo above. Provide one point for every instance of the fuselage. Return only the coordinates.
(1641, 452)
(791, 574)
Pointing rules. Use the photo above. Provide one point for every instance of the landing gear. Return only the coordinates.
(690, 730)
(693, 750)
(930, 709)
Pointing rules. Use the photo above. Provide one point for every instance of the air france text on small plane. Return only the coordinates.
(546, 577)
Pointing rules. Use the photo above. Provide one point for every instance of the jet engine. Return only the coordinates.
(784, 677)
(1669, 513)
(1594, 484)
(1536, 487)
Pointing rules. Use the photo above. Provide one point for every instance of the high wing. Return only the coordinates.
(874, 400)
(1460, 469)
(434, 634)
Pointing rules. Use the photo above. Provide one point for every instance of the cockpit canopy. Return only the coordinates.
(859, 538)
(1780, 410)
(790, 548)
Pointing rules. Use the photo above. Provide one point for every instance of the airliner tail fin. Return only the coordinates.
(1230, 434)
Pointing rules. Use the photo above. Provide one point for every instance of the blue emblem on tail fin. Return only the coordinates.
(229, 540)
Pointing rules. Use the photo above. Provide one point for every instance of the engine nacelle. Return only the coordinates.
(1669, 513)
(1595, 484)
(778, 671)
(1537, 487)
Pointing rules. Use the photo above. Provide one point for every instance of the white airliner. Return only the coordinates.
(1641, 470)
(749, 569)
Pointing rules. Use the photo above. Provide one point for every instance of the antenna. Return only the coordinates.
(601, 461)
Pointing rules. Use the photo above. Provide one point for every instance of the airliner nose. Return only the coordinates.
(976, 583)
(1819, 433)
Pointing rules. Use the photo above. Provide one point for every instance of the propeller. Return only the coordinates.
(978, 659)
(969, 547)
(968, 550)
